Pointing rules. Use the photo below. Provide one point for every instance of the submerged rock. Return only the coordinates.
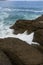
(21, 53)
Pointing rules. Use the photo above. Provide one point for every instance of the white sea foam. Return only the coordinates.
(3, 15)
(28, 10)
(7, 9)
(24, 36)
(25, 10)
(6, 32)
(31, 17)
(36, 11)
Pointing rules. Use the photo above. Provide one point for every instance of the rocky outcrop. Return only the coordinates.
(35, 26)
(4, 60)
(21, 53)
(30, 25)
(22, 25)
(17, 52)
(40, 18)
(38, 36)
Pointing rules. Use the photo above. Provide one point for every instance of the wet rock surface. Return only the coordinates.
(22, 25)
(38, 36)
(21, 53)
(35, 26)
(30, 25)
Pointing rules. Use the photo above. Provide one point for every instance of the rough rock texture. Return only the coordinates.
(20, 53)
(22, 25)
(39, 18)
(38, 36)
(35, 26)
(30, 25)
(4, 59)
(16, 52)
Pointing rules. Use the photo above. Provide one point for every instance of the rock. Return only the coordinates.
(40, 18)
(21, 53)
(4, 59)
(37, 25)
(21, 26)
(38, 47)
(30, 25)
(38, 36)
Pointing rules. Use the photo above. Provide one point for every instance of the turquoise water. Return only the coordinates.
(10, 11)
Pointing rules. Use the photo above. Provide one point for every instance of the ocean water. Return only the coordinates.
(11, 11)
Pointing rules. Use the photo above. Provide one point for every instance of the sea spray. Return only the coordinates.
(10, 12)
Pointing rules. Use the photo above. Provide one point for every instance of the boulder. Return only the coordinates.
(38, 36)
(30, 25)
(38, 47)
(21, 26)
(4, 60)
(21, 53)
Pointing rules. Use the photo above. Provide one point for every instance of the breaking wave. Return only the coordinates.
(6, 18)
(13, 9)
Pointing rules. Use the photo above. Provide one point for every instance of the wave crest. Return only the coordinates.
(28, 10)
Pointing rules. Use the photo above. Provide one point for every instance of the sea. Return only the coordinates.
(11, 11)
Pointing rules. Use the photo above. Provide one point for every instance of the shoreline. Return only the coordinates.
(17, 51)
(25, 29)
